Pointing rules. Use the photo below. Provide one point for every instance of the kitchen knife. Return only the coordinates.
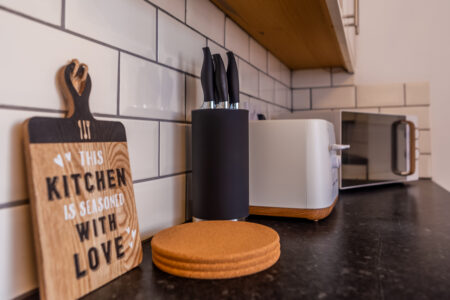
(220, 80)
(207, 80)
(233, 81)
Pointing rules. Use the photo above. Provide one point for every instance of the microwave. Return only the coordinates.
(383, 147)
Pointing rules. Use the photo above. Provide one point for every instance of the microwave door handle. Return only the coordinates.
(412, 148)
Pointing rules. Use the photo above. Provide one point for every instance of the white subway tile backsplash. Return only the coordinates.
(142, 138)
(285, 75)
(23, 47)
(248, 78)
(301, 99)
(206, 18)
(380, 95)
(425, 141)
(282, 95)
(179, 46)
(194, 96)
(244, 101)
(422, 114)
(364, 110)
(18, 273)
(341, 77)
(173, 148)
(99, 20)
(45, 10)
(274, 66)
(266, 87)
(176, 8)
(160, 204)
(216, 49)
(425, 166)
(417, 93)
(236, 39)
(150, 90)
(13, 183)
(336, 97)
(311, 78)
(257, 107)
(258, 55)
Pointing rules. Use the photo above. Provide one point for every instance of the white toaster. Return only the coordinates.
(293, 168)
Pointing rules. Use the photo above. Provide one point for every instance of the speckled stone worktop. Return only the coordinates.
(390, 242)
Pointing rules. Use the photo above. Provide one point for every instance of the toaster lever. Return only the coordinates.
(339, 147)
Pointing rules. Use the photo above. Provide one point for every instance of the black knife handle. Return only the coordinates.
(220, 78)
(233, 78)
(207, 75)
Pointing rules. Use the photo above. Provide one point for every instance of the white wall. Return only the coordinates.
(406, 41)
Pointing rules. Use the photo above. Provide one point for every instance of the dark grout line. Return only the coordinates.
(35, 109)
(63, 13)
(14, 203)
(159, 148)
(118, 85)
(185, 98)
(260, 99)
(310, 99)
(161, 177)
(124, 117)
(404, 94)
(424, 153)
(325, 87)
(185, 11)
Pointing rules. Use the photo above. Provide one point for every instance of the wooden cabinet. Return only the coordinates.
(301, 33)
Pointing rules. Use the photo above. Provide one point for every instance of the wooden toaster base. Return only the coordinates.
(310, 214)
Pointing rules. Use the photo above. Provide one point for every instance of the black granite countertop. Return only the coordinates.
(389, 242)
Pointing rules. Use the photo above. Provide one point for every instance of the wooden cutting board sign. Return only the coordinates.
(84, 214)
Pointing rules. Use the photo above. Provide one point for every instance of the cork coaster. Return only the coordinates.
(215, 249)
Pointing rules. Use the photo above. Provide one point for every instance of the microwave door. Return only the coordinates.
(375, 150)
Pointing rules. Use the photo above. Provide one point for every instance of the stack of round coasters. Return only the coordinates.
(215, 249)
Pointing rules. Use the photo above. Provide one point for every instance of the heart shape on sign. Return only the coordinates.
(133, 233)
(131, 244)
(68, 156)
(58, 160)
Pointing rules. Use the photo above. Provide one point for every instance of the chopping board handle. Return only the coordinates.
(75, 84)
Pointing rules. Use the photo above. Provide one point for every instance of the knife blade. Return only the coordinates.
(207, 80)
(233, 81)
(221, 82)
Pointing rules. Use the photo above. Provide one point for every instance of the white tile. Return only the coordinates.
(301, 99)
(142, 138)
(367, 110)
(173, 148)
(425, 141)
(45, 10)
(150, 90)
(311, 78)
(179, 46)
(194, 96)
(285, 75)
(257, 107)
(24, 47)
(18, 273)
(248, 78)
(275, 111)
(417, 93)
(216, 49)
(236, 39)
(244, 101)
(422, 114)
(337, 97)
(258, 55)
(174, 7)
(13, 181)
(274, 66)
(282, 95)
(425, 166)
(127, 24)
(206, 18)
(341, 77)
(380, 95)
(160, 204)
(266, 87)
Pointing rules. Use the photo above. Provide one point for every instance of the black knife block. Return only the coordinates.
(220, 164)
